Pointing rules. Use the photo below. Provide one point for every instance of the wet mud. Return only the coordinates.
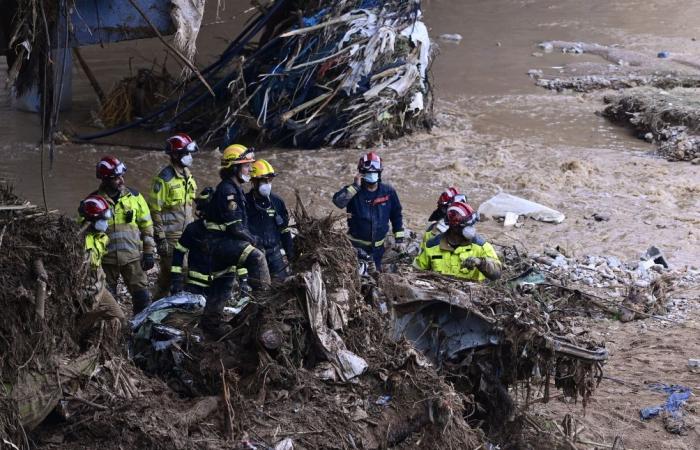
(496, 131)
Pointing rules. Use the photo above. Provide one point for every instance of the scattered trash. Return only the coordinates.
(383, 400)
(285, 444)
(655, 256)
(511, 219)
(672, 410)
(501, 204)
(663, 54)
(548, 47)
(451, 37)
(694, 364)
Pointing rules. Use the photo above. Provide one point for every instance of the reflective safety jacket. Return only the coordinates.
(171, 202)
(227, 212)
(370, 213)
(130, 228)
(438, 256)
(195, 244)
(95, 249)
(268, 219)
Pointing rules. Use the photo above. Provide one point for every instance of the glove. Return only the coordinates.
(176, 283)
(147, 261)
(162, 247)
(244, 288)
(471, 262)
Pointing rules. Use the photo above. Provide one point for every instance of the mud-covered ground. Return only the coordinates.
(496, 131)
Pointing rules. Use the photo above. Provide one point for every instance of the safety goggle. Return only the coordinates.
(192, 147)
(107, 214)
(371, 165)
(119, 170)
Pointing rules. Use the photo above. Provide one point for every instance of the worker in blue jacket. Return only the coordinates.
(268, 220)
(371, 205)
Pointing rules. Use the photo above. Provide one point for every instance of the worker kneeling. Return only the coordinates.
(459, 251)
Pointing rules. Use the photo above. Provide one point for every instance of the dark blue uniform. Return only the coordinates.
(370, 215)
(268, 220)
(194, 242)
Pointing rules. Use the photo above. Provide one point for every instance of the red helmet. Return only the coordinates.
(110, 167)
(94, 207)
(461, 215)
(180, 143)
(447, 196)
(371, 162)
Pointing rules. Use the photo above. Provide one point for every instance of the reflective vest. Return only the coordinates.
(171, 202)
(130, 228)
(95, 247)
(437, 256)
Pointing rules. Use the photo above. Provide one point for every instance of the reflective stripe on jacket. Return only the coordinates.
(437, 258)
(171, 202)
(370, 213)
(130, 228)
(195, 244)
(268, 219)
(95, 248)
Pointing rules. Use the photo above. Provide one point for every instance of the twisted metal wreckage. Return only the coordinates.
(302, 73)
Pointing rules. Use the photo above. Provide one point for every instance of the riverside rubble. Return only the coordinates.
(254, 391)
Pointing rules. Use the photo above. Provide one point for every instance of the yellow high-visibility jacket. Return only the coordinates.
(171, 202)
(438, 256)
(130, 228)
(95, 248)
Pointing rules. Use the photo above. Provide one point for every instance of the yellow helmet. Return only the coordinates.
(262, 169)
(236, 154)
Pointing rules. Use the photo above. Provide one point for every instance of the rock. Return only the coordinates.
(546, 46)
(694, 364)
(695, 162)
(601, 217)
(535, 73)
(649, 137)
(560, 261)
(613, 262)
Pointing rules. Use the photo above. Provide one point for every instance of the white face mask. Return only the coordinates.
(469, 232)
(244, 178)
(186, 160)
(101, 225)
(371, 177)
(442, 226)
(264, 189)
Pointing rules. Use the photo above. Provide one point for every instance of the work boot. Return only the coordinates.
(140, 301)
(213, 326)
(212, 323)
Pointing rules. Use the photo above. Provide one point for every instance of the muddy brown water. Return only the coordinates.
(496, 130)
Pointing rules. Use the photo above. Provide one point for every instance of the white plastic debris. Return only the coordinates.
(502, 204)
(285, 444)
(511, 219)
(455, 37)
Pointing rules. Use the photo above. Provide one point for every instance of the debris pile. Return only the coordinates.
(135, 95)
(627, 291)
(317, 363)
(669, 118)
(41, 301)
(322, 74)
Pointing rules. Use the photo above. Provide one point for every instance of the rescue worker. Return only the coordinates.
(459, 251)
(371, 205)
(171, 201)
(131, 244)
(268, 220)
(231, 242)
(438, 224)
(194, 242)
(95, 212)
